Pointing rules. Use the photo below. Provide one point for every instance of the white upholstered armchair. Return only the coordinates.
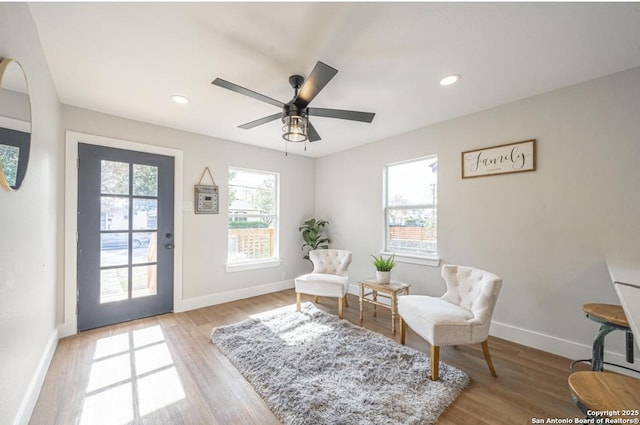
(461, 316)
(329, 277)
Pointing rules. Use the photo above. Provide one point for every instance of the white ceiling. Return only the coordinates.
(127, 59)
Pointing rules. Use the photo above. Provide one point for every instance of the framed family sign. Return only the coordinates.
(502, 159)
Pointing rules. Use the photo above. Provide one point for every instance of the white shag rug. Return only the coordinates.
(312, 368)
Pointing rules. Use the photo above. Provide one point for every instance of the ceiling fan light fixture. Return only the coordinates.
(295, 113)
(295, 128)
(450, 79)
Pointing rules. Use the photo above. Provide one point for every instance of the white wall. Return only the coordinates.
(30, 231)
(547, 233)
(205, 280)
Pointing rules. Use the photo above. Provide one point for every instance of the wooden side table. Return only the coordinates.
(389, 290)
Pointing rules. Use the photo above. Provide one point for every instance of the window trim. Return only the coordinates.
(248, 264)
(405, 257)
(433, 261)
(254, 265)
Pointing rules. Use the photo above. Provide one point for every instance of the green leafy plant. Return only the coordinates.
(313, 236)
(384, 264)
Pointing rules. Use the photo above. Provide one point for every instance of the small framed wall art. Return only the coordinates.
(502, 159)
(206, 195)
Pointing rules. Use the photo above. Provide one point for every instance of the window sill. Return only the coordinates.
(415, 259)
(240, 267)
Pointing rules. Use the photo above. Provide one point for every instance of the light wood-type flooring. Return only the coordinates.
(165, 370)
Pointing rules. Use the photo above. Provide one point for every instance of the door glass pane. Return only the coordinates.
(144, 247)
(114, 285)
(144, 281)
(145, 180)
(114, 213)
(145, 214)
(114, 249)
(114, 178)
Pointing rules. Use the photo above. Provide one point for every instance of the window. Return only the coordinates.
(253, 216)
(411, 207)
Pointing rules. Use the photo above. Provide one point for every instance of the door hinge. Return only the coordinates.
(77, 162)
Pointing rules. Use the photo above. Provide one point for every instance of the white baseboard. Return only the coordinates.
(33, 390)
(236, 294)
(570, 349)
(548, 343)
(68, 329)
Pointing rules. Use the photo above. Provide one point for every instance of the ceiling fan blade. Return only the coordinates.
(312, 133)
(342, 114)
(260, 121)
(319, 77)
(238, 89)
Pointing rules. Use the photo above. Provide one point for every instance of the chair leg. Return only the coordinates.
(435, 362)
(403, 330)
(340, 303)
(346, 301)
(298, 302)
(487, 357)
(315, 299)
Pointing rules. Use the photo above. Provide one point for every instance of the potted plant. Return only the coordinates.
(383, 267)
(313, 236)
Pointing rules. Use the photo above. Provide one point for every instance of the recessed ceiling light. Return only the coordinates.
(450, 79)
(179, 99)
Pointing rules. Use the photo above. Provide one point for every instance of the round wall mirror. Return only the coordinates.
(15, 124)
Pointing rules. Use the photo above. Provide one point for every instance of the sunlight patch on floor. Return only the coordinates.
(265, 314)
(111, 345)
(133, 374)
(159, 390)
(110, 407)
(147, 336)
(109, 371)
(301, 332)
(152, 358)
(304, 333)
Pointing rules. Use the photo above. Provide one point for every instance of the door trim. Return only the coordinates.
(69, 325)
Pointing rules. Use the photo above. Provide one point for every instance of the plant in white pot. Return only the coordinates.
(383, 267)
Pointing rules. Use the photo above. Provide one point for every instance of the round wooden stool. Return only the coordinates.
(616, 394)
(611, 318)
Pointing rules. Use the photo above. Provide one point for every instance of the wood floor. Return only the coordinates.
(165, 370)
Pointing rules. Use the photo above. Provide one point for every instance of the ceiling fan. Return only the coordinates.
(295, 113)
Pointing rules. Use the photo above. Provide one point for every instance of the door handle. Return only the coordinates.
(169, 246)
